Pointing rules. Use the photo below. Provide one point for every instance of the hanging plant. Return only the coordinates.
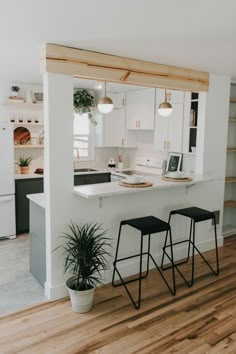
(84, 102)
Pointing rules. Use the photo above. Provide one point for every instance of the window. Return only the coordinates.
(83, 137)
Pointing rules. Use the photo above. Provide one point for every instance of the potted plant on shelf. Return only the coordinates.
(14, 91)
(24, 165)
(86, 251)
(84, 102)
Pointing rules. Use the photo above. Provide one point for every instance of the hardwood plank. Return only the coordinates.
(105, 67)
(201, 319)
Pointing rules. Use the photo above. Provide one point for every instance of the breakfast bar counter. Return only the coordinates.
(114, 188)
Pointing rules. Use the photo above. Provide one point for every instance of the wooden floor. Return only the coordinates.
(197, 320)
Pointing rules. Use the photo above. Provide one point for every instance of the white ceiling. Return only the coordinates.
(187, 33)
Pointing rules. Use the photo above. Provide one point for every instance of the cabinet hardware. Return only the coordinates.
(123, 142)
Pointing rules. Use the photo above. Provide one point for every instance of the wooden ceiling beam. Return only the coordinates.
(105, 67)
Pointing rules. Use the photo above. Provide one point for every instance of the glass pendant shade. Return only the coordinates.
(165, 108)
(105, 104)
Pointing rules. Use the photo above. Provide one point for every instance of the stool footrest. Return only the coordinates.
(176, 264)
(124, 283)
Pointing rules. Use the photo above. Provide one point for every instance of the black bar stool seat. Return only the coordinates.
(196, 215)
(147, 225)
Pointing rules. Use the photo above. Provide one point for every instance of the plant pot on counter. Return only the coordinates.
(81, 300)
(24, 170)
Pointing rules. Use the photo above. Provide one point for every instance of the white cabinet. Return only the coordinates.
(111, 129)
(169, 130)
(118, 99)
(114, 128)
(140, 109)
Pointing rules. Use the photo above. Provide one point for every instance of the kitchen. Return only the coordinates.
(121, 144)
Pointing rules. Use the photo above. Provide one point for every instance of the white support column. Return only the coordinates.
(213, 117)
(58, 178)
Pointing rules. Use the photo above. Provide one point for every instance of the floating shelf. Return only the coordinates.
(230, 204)
(28, 146)
(23, 104)
(28, 124)
(232, 100)
(232, 149)
(229, 230)
(232, 120)
(231, 179)
(193, 127)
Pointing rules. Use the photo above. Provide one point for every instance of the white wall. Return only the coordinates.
(62, 206)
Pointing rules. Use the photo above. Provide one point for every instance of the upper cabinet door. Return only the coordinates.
(114, 128)
(118, 99)
(175, 129)
(140, 109)
(174, 96)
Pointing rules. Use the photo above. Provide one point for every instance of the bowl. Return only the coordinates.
(176, 174)
(134, 179)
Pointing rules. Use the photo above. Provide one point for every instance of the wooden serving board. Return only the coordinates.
(169, 179)
(139, 185)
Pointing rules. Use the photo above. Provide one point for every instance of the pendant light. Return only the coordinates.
(165, 108)
(105, 104)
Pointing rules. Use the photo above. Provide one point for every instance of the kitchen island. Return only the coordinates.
(110, 203)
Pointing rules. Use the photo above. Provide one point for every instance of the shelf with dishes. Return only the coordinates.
(230, 203)
(28, 146)
(230, 179)
(32, 124)
(22, 105)
(231, 149)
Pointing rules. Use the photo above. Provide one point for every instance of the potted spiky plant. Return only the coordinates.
(85, 251)
(24, 165)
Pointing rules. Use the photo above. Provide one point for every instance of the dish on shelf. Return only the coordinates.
(175, 174)
(21, 135)
(134, 179)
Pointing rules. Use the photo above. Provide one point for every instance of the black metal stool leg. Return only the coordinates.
(193, 253)
(216, 244)
(148, 251)
(116, 254)
(140, 273)
(173, 263)
(190, 237)
(163, 253)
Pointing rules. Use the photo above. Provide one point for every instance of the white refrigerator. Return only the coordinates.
(7, 185)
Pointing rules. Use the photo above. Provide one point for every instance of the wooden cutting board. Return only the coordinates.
(139, 185)
(169, 179)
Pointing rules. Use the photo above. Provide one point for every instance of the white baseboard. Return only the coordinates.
(131, 267)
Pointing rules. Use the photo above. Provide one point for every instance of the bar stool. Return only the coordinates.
(196, 215)
(147, 225)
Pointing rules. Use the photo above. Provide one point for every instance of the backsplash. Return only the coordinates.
(36, 154)
(102, 155)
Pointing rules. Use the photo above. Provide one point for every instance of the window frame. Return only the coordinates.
(91, 141)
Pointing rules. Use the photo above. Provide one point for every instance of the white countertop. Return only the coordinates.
(38, 199)
(113, 188)
(29, 175)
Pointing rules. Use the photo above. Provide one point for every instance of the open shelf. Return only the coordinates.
(232, 100)
(28, 124)
(229, 230)
(28, 146)
(22, 104)
(231, 179)
(232, 120)
(231, 149)
(230, 204)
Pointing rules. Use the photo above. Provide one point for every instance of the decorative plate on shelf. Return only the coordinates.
(21, 136)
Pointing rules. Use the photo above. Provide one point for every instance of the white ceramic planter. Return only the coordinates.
(14, 93)
(81, 301)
